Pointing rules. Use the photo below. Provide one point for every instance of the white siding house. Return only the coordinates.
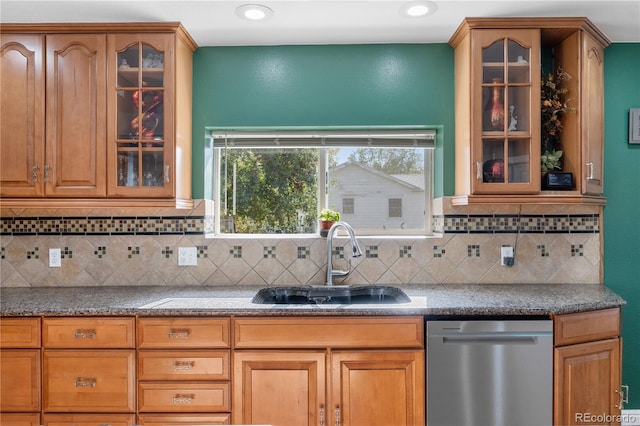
(371, 199)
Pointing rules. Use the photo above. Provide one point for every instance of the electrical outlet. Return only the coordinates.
(55, 258)
(187, 256)
(506, 256)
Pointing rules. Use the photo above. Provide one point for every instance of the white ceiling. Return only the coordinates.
(214, 22)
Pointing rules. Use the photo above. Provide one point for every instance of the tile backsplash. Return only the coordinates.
(553, 243)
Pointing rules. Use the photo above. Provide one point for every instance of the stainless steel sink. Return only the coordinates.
(337, 295)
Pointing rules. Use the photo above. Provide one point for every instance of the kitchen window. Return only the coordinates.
(275, 183)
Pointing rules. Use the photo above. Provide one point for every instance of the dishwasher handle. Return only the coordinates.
(496, 339)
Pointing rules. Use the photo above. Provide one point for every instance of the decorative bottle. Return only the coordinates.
(497, 107)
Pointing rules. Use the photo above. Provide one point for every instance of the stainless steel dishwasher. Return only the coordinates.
(489, 373)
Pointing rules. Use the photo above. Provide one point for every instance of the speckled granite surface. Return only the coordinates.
(436, 299)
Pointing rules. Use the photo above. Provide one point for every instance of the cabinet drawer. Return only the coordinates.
(184, 419)
(88, 333)
(183, 333)
(88, 381)
(88, 419)
(183, 365)
(20, 379)
(183, 397)
(20, 332)
(586, 326)
(336, 332)
(19, 419)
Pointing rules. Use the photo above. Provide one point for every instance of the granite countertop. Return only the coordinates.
(428, 299)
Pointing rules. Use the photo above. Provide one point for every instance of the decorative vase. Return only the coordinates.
(497, 106)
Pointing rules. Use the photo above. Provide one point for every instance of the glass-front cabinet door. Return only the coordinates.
(506, 110)
(140, 118)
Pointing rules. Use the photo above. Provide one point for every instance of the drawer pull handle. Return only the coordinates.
(179, 333)
(183, 398)
(83, 382)
(183, 365)
(85, 334)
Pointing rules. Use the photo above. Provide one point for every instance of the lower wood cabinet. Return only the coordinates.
(280, 388)
(88, 367)
(184, 419)
(19, 419)
(88, 419)
(587, 367)
(338, 382)
(89, 381)
(20, 380)
(20, 371)
(377, 388)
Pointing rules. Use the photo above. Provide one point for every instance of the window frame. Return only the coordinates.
(323, 186)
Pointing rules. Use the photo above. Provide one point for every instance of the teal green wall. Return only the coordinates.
(324, 85)
(622, 213)
(347, 85)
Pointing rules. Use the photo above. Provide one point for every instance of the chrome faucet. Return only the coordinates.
(355, 251)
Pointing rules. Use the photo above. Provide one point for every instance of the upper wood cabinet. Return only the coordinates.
(22, 115)
(96, 114)
(498, 68)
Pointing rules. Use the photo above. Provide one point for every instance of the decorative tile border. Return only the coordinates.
(196, 225)
(135, 225)
(526, 224)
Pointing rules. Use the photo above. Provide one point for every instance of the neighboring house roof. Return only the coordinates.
(412, 181)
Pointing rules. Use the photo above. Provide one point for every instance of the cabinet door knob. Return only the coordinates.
(46, 173)
(166, 174)
(337, 415)
(321, 416)
(34, 174)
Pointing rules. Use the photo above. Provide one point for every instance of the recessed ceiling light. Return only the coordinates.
(415, 9)
(254, 12)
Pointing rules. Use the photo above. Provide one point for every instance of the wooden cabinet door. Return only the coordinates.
(88, 381)
(20, 380)
(593, 121)
(279, 388)
(22, 115)
(377, 388)
(184, 419)
(76, 132)
(505, 131)
(88, 419)
(586, 379)
(140, 116)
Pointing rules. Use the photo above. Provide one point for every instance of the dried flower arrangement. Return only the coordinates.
(553, 105)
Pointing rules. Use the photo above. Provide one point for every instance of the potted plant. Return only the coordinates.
(550, 161)
(553, 106)
(328, 217)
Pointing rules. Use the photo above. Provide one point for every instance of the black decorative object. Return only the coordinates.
(557, 181)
